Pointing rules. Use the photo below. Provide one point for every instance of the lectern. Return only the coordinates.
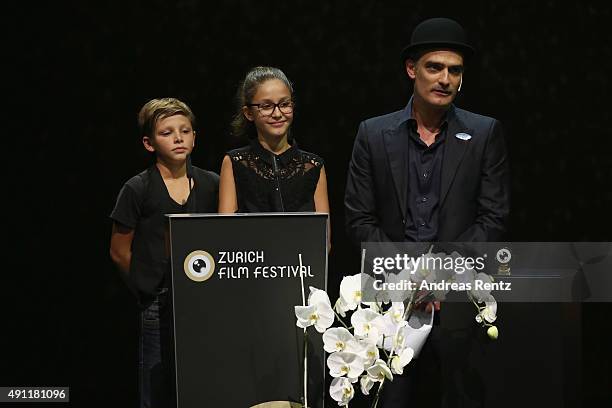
(235, 281)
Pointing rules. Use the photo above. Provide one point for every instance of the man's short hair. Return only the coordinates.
(417, 53)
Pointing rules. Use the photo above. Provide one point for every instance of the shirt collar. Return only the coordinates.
(406, 115)
(267, 156)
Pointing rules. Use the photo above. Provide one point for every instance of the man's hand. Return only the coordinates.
(424, 302)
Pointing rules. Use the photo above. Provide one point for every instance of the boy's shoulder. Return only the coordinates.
(139, 182)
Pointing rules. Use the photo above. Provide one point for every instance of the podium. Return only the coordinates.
(235, 281)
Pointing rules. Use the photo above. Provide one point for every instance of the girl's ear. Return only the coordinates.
(247, 113)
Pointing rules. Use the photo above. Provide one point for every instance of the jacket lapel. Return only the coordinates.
(453, 154)
(396, 144)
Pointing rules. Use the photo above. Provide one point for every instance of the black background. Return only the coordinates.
(76, 74)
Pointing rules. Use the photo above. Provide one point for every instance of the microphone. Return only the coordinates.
(190, 179)
(189, 169)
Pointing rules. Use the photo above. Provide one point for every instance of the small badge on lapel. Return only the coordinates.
(463, 136)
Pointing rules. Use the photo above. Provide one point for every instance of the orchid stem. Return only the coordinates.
(473, 301)
(380, 387)
(340, 320)
(305, 368)
(406, 316)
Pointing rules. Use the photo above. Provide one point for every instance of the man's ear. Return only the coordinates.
(411, 68)
(247, 113)
(146, 141)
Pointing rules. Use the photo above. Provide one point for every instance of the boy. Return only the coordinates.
(171, 185)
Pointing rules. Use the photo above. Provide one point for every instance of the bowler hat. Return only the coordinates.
(437, 33)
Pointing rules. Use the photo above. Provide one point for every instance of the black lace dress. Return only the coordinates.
(266, 182)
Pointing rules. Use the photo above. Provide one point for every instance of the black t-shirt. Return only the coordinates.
(141, 205)
(268, 182)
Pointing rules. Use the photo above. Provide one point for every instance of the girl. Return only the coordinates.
(271, 173)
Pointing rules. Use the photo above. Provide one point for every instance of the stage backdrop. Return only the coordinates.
(76, 73)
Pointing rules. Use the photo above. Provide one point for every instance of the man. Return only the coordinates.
(430, 172)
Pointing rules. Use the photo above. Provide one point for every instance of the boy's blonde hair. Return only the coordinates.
(162, 108)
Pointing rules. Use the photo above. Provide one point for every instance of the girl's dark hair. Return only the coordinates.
(240, 125)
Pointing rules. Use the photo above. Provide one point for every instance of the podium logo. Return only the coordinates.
(199, 266)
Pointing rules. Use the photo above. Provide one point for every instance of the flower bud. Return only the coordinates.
(493, 333)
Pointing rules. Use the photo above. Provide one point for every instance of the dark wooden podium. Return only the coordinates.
(235, 282)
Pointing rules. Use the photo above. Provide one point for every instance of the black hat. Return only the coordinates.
(438, 33)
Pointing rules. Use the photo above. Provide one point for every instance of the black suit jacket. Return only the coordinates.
(474, 192)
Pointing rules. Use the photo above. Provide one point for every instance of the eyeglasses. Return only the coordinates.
(267, 108)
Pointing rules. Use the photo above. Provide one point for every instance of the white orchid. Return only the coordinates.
(342, 391)
(443, 275)
(375, 306)
(341, 307)
(369, 352)
(489, 313)
(424, 270)
(390, 324)
(464, 267)
(366, 384)
(340, 339)
(318, 312)
(396, 313)
(363, 322)
(343, 363)
(379, 371)
(372, 292)
(398, 362)
(350, 291)
(395, 280)
(372, 337)
(466, 277)
(354, 352)
(481, 294)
